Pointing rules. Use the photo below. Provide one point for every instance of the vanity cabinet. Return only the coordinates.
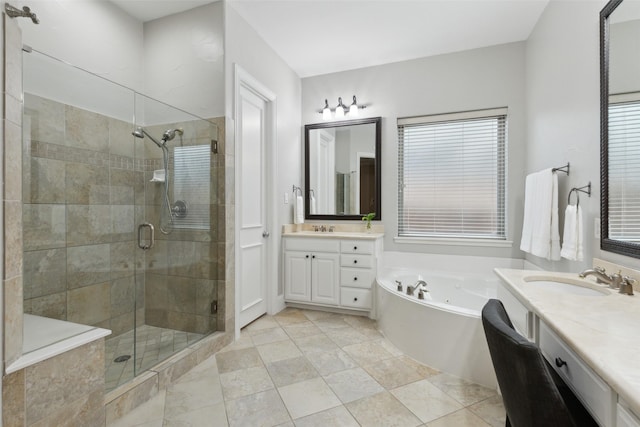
(330, 271)
(311, 276)
(593, 392)
(626, 418)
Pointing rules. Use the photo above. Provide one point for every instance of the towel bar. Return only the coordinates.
(296, 189)
(579, 190)
(564, 169)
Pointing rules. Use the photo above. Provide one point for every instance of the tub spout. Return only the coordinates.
(412, 289)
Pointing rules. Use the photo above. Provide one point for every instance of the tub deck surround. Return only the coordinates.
(602, 330)
(45, 338)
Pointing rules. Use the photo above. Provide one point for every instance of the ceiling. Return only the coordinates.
(324, 36)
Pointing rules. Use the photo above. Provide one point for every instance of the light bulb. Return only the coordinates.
(326, 111)
(340, 109)
(353, 109)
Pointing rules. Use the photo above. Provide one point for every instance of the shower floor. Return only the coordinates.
(154, 345)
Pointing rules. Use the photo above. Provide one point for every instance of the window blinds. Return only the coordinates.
(191, 183)
(452, 172)
(624, 171)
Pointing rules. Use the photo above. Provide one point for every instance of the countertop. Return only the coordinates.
(334, 235)
(602, 330)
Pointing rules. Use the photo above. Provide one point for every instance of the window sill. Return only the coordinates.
(454, 242)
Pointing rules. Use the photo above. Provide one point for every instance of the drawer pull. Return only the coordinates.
(355, 299)
(355, 279)
(355, 248)
(355, 261)
(560, 363)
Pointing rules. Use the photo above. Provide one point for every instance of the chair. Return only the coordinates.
(533, 393)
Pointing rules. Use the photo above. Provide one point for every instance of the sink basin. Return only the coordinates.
(566, 285)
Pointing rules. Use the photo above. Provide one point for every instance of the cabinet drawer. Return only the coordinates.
(355, 298)
(356, 247)
(625, 418)
(356, 277)
(312, 245)
(356, 261)
(594, 393)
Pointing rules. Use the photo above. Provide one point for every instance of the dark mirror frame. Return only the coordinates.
(373, 120)
(607, 244)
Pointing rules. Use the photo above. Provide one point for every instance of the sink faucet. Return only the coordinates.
(615, 281)
(412, 289)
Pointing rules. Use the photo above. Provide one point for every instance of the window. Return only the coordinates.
(451, 175)
(624, 168)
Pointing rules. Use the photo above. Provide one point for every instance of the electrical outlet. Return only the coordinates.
(596, 228)
(286, 198)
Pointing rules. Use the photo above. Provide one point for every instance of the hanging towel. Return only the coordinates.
(572, 237)
(298, 210)
(312, 204)
(540, 235)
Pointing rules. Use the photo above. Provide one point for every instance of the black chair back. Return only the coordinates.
(528, 384)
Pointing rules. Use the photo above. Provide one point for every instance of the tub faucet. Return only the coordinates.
(412, 289)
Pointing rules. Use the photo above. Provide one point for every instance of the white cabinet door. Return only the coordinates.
(297, 276)
(325, 271)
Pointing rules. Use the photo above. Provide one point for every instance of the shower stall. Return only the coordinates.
(123, 214)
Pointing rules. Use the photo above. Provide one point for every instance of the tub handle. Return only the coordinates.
(152, 236)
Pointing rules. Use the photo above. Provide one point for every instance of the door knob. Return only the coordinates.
(265, 234)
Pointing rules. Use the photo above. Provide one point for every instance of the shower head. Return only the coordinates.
(169, 134)
(139, 132)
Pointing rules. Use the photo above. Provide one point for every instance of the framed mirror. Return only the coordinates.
(342, 169)
(620, 127)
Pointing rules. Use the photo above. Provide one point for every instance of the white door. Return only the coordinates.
(252, 205)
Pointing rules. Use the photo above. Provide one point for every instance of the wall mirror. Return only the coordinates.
(342, 169)
(620, 127)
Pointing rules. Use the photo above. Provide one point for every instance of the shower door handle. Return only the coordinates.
(152, 236)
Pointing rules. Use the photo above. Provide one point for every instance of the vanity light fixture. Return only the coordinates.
(341, 109)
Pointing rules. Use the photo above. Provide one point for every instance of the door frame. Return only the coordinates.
(242, 79)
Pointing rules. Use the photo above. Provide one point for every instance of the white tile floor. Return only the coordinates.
(309, 368)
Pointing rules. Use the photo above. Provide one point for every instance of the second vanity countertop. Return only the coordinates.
(602, 330)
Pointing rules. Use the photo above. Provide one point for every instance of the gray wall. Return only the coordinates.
(475, 79)
(563, 111)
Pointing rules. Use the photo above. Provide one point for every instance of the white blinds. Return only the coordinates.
(624, 171)
(452, 172)
(191, 183)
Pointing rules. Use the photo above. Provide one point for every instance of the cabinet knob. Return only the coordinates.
(560, 363)
(355, 299)
(355, 279)
(313, 256)
(355, 261)
(307, 256)
(355, 248)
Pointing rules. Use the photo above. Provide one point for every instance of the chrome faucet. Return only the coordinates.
(624, 284)
(412, 289)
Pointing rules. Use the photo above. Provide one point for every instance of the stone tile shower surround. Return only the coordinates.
(86, 187)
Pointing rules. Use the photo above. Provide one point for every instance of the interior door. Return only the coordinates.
(252, 262)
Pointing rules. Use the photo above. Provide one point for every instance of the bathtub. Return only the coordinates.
(444, 330)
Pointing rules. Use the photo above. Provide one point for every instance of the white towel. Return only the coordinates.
(312, 204)
(540, 235)
(572, 237)
(298, 211)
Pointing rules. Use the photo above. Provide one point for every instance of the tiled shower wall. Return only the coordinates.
(86, 187)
